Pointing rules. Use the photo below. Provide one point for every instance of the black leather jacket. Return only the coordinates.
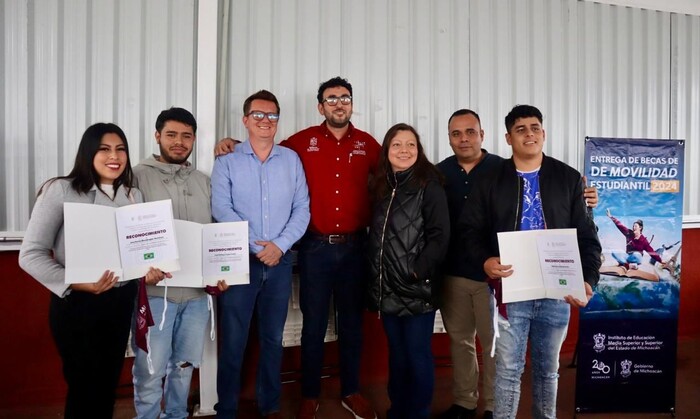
(408, 240)
(496, 206)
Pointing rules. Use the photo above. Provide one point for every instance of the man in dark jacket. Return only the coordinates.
(466, 302)
(530, 191)
(466, 297)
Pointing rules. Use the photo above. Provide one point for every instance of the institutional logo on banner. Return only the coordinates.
(628, 331)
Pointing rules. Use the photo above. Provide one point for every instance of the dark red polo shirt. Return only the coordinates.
(337, 172)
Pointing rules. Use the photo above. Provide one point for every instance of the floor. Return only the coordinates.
(687, 395)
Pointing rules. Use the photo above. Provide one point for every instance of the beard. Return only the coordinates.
(337, 121)
(173, 159)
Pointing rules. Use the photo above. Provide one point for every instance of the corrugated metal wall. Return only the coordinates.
(685, 102)
(593, 69)
(408, 61)
(67, 64)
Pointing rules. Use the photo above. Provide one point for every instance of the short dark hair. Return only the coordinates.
(260, 95)
(84, 176)
(641, 224)
(521, 111)
(334, 82)
(176, 114)
(464, 112)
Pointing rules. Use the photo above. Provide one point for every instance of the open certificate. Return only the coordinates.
(211, 252)
(126, 240)
(546, 264)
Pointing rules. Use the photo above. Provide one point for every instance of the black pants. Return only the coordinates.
(91, 333)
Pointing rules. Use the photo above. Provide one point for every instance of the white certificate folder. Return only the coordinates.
(126, 240)
(545, 263)
(211, 252)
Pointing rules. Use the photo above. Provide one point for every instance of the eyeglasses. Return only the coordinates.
(259, 116)
(333, 100)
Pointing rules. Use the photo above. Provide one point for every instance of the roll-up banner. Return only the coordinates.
(628, 330)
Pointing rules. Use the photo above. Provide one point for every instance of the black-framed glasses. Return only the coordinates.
(260, 115)
(333, 100)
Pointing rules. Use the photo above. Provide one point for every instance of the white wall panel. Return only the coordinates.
(101, 49)
(130, 74)
(593, 69)
(68, 64)
(625, 72)
(402, 58)
(525, 53)
(685, 99)
(15, 124)
(44, 129)
(678, 6)
(73, 37)
(155, 65)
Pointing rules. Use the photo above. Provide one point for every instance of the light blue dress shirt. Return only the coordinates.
(271, 195)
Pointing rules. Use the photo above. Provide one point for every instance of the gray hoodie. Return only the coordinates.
(190, 192)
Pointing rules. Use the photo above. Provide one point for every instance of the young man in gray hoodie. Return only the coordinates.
(176, 348)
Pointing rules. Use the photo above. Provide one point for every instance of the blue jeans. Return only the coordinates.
(175, 352)
(544, 322)
(624, 258)
(324, 270)
(268, 295)
(411, 367)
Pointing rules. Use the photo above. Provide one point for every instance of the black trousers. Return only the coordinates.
(91, 333)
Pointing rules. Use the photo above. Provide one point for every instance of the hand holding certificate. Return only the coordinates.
(211, 252)
(546, 264)
(129, 240)
(126, 240)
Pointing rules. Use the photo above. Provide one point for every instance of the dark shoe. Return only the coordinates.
(358, 406)
(307, 409)
(488, 414)
(458, 412)
(273, 415)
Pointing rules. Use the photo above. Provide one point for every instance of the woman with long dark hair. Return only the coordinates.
(89, 322)
(408, 240)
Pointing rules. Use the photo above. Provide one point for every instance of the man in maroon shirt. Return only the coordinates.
(338, 160)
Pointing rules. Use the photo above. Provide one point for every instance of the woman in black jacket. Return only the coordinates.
(409, 235)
